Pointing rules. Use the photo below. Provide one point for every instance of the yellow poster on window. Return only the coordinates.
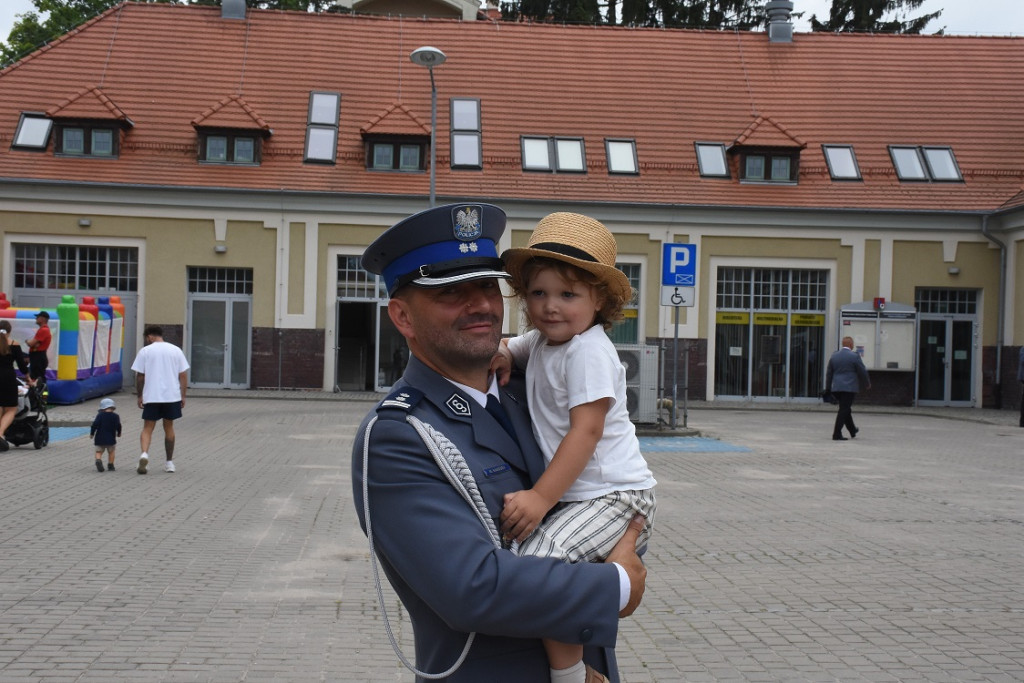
(769, 318)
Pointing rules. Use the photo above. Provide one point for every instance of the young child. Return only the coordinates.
(106, 428)
(596, 478)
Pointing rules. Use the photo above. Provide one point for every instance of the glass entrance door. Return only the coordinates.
(945, 374)
(218, 341)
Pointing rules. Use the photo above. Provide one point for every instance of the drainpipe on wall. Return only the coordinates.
(1001, 315)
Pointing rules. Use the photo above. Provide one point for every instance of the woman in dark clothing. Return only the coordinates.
(10, 354)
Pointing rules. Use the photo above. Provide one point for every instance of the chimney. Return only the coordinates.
(235, 9)
(780, 23)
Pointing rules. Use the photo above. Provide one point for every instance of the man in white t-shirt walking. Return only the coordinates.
(161, 373)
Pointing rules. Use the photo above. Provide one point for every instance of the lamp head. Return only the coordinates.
(428, 56)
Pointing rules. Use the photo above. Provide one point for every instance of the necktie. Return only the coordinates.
(497, 411)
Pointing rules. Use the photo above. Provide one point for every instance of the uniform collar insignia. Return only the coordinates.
(458, 405)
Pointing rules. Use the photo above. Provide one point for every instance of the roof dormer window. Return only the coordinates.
(33, 132)
(769, 166)
(229, 147)
(86, 139)
(466, 134)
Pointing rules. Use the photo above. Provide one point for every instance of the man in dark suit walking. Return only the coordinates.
(844, 377)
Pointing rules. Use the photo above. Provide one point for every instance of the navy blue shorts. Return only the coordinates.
(161, 411)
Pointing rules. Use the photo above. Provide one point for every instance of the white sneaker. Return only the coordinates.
(143, 464)
(169, 466)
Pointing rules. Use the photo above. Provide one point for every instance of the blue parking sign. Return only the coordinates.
(679, 265)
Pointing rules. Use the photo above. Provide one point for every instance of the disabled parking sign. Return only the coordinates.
(678, 274)
(679, 265)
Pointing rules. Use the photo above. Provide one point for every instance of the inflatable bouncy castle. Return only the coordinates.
(88, 342)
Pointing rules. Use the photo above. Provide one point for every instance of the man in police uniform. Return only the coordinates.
(441, 269)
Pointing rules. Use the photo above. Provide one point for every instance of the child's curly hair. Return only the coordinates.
(611, 303)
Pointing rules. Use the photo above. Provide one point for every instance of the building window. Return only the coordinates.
(941, 164)
(925, 163)
(75, 139)
(225, 147)
(356, 283)
(205, 280)
(627, 330)
(33, 132)
(946, 301)
(393, 155)
(842, 164)
(322, 127)
(467, 138)
(711, 160)
(621, 156)
(51, 266)
(563, 155)
(769, 167)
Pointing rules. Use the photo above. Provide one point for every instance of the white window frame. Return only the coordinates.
(466, 133)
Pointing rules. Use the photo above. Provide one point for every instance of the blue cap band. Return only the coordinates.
(419, 261)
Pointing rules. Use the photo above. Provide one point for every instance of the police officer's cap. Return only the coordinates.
(439, 246)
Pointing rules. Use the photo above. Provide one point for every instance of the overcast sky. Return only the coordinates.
(971, 17)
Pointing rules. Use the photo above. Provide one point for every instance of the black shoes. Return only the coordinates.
(853, 434)
(4, 445)
(99, 465)
(839, 438)
(110, 467)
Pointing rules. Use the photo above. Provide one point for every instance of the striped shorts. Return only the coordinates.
(587, 530)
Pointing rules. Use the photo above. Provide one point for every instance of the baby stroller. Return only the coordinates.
(30, 422)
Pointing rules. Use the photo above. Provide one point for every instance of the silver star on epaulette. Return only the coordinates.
(468, 246)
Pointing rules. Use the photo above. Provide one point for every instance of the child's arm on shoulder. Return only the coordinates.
(502, 363)
(524, 510)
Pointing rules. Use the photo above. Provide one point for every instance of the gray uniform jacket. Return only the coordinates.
(846, 371)
(441, 560)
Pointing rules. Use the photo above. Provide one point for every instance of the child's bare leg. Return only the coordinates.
(563, 656)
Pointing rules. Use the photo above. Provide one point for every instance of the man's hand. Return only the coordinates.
(523, 511)
(624, 554)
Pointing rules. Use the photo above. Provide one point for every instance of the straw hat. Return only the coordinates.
(578, 240)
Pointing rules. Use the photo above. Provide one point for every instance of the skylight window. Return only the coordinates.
(466, 134)
(33, 132)
(564, 155)
(621, 156)
(842, 163)
(711, 160)
(322, 127)
(908, 162)
(941, 163)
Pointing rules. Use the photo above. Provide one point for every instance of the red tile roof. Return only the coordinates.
(169, 66)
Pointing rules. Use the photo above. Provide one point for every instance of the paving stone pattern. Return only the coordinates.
(898, 556)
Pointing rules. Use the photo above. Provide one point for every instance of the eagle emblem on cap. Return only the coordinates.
(467, 223)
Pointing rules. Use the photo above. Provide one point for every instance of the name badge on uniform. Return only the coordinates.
(496, 470)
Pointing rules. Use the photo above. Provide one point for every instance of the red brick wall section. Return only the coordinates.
(301, 353)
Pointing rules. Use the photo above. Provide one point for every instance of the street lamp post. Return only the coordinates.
(430, 57)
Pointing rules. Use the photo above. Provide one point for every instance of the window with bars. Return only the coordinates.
(356, 283)
(772, 289)
(947, 301)
(53, 266)
(206, 280)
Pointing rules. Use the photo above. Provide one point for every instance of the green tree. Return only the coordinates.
(705, 14)
(868, 16)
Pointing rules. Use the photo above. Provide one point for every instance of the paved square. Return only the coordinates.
(898, 556)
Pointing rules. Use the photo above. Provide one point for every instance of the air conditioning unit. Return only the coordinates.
(641, 363)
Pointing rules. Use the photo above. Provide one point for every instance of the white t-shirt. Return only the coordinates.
(558, 378)
(161, 363)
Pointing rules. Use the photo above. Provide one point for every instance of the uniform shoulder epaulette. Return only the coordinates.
(404, 399)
